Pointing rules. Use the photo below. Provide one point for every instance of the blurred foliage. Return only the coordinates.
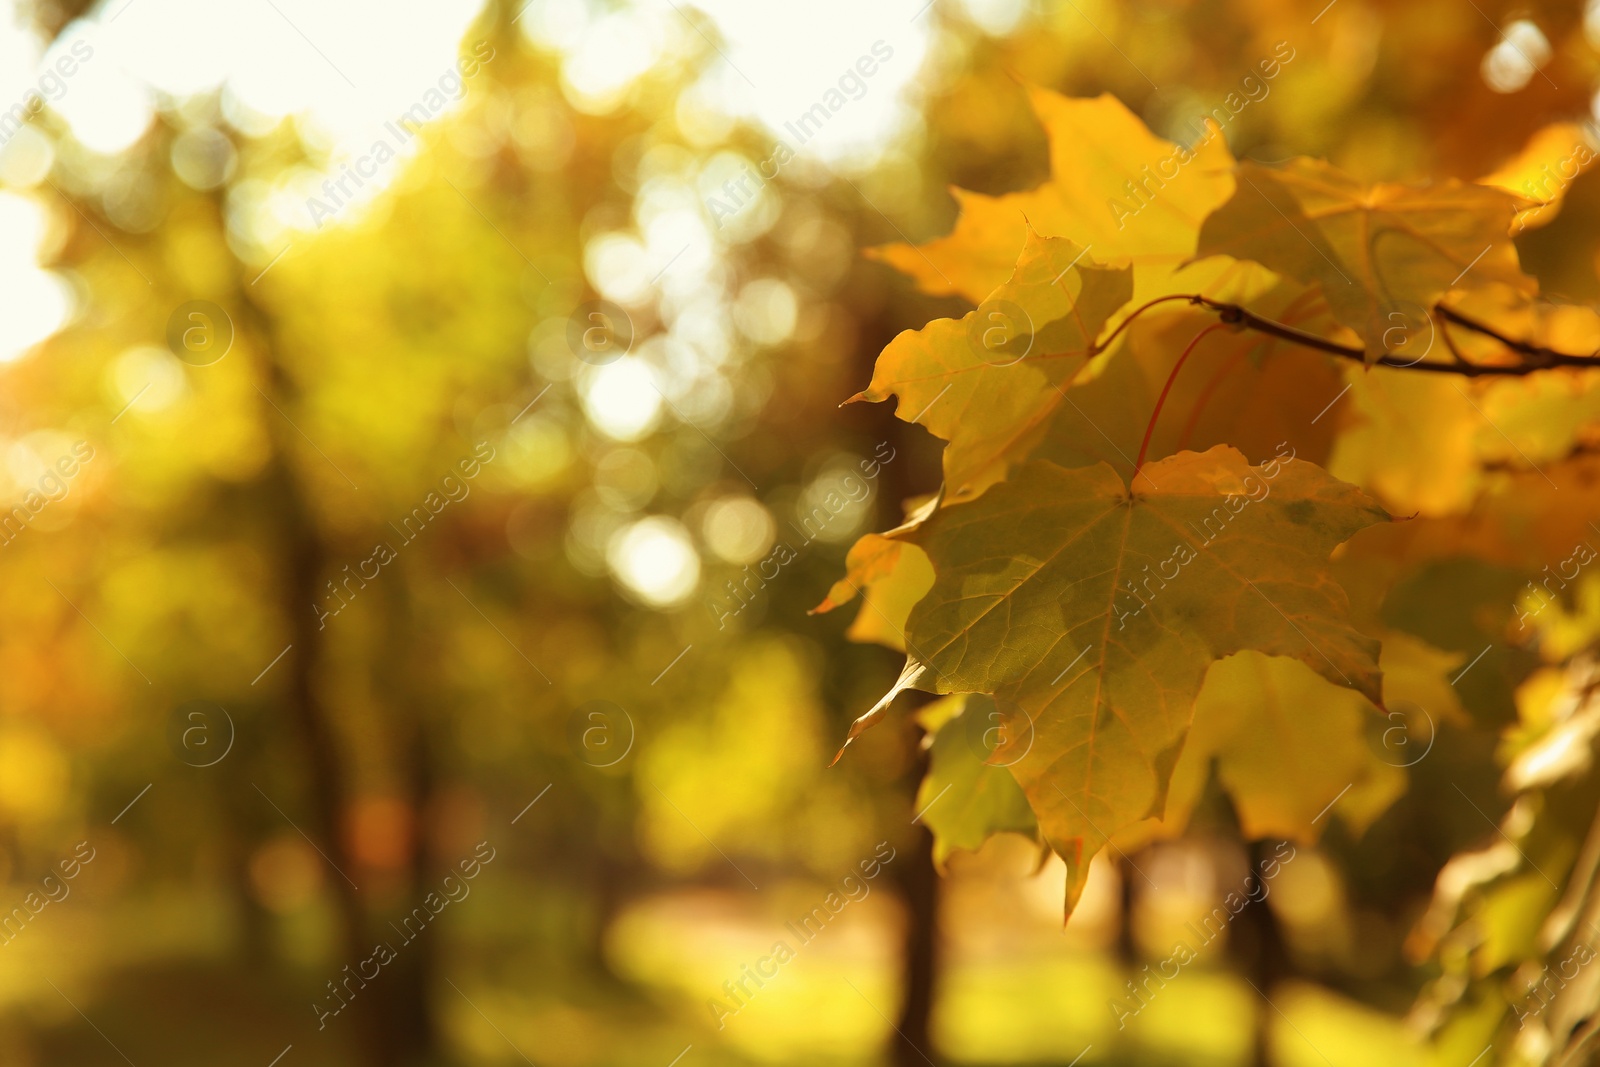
(610, 580)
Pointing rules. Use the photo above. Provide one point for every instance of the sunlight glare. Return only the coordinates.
(38, 302)
(621, 399)
(655, 559)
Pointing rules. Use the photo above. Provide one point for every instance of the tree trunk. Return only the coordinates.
(403, 1000)
(302, 558)
(914, 872)
(918, 883)
(1259, 947)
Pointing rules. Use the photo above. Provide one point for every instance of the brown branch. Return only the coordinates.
(1534, 357)
(1450, 343)
(1537, 354)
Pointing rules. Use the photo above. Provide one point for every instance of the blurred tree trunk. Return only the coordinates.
(1262, 954)
(302, 557)
(1127, 894)
(241, 836)
(403, 998)
(918, 883)
(914, 873)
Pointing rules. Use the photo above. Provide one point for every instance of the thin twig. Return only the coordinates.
(1096, 349)
(1155, 413)
(1450, 343)
(1538, 353)
(1535, 357)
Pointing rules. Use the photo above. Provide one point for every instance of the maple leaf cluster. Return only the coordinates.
(1108, 625)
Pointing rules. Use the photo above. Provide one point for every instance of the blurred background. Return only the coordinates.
(420, 427)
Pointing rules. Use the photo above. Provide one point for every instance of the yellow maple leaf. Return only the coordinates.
(1383, 254)
(1543, 172)
(1092, 612)
(1115, 189)
(988, 382)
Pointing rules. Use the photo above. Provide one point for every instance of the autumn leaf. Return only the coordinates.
(1525, 520)
(1383, 255)
(1295, 752)
(1239, 388)
(1289, 745)
(1416, 673)
(890, 576)
(989, 382)
(1426, 419)
(1543, 172)
(1453, 433)
(965, 800)
(1522, 316)
(1115, 189)
(871, 559)
(1525, 898)
(1094, 611)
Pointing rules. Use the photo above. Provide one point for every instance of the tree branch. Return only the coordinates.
(1534, 357)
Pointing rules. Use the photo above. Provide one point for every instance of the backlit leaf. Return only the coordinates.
(890, 576)
(1383, 254)
(1115, 188)
(1239, 388)
(871, 559)
(1295, 752)
(963, 799)
(1288, 745)
(1093, 611)
(989, 382)
(1543, 172)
